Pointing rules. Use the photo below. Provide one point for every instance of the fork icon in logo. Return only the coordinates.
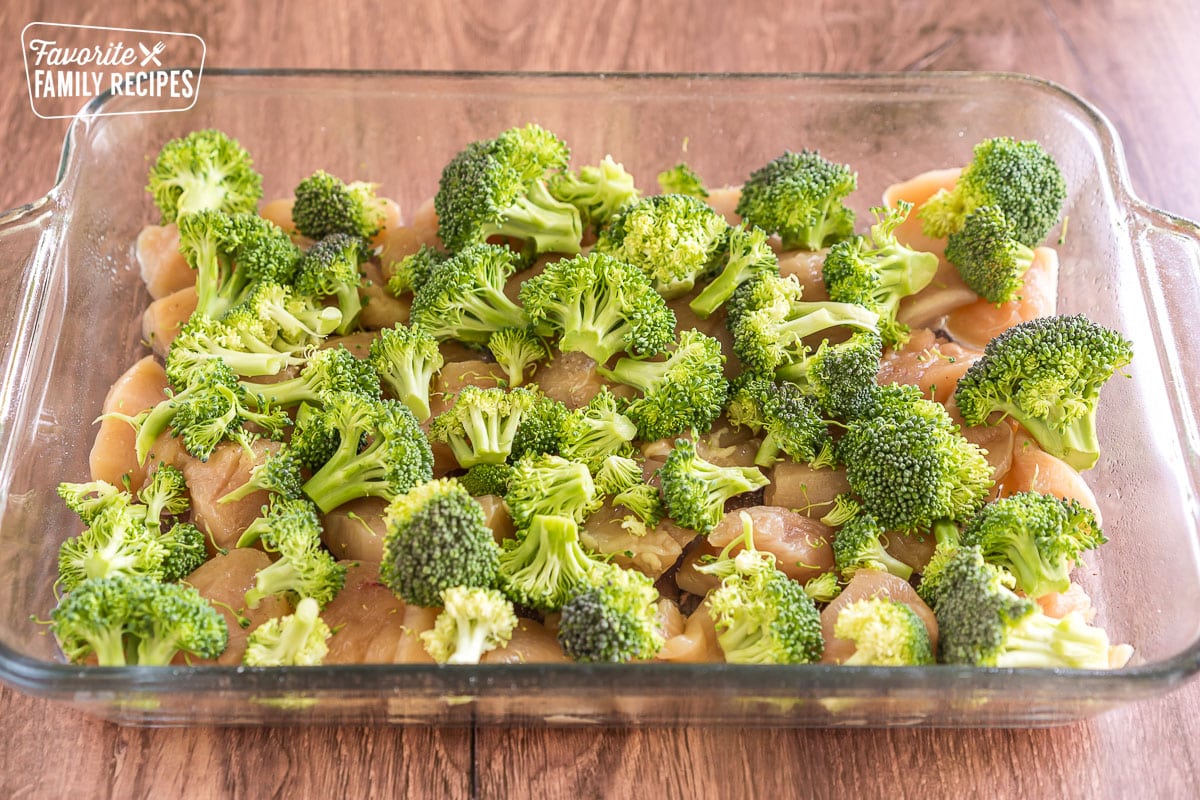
(152, 55)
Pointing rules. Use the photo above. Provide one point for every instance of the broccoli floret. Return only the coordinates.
(406, 358)
(672, 238)
(613, 619)
(481, 424)
(164, 493)
(278, 473)
(878, 272)
(841, 376)
(988, 256)
(326, 205)
(947, 540)
(982, 622)
(614, 474)
(1047, 374)
(541, 428)
(682, 179)
(298, 320)
(116, 542)
(772, 324)
(1036, 537)
(464, 298)
(328, 371)
(790, 420)
(516, 350)
(437, 539)
(126, 620)
(550, 486)
(695, 490)
(186, 551)
(1020, 178)
(202, 339)
(685, 391)
(299, 639)
(292, 530)
(484, 479)
(410, 273)
(472, 622)
(761, 615)
(204, 171)
(646, 504)
(331, 268)
(824, 588)
(858, 544)
(315, 439)
(886, 633)
(90, 498)
(546, 565)
(600, 306)
(395, 458)
(593, 432)
(598, 192)
(497, 187)
(747, 255)
(229, 252)
(799, 196)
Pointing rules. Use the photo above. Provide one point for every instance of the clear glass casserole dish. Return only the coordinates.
(71, 325)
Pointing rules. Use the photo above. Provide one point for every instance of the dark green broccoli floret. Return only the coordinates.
(593, 432)
(516, 350)
(886, 633)
(326, 205)
(598, 192)
(497, 187)
(331, 268)
(437, 539)
(334, 369)
(406, 359)
(204, 171)
(545, 565)
(136, 620)
(464, 298)
(410, 273)
(695, 490)
(550, 486)
(472, 622)
(682, 179)
(947, 540)
(292, 530)
(315, 439)
(278, 473)
(790, 420)
(299, 639)
(988, 256)
(910, 465)
(747, 255)
(541, 428)
(484, 479)
(841, 376)
(186, 551)
(613, 619)
(598, 305)
(482, 423)
(1036, 537)
(299, 320)
(1047, 374)
(982, 622)
(672, 238)
(878, 272)
(1020, 178)
(282, 512)
(773, 322)
(395, 458)
(685, 391)
(761, 615)
(858, 544)
(799, 196)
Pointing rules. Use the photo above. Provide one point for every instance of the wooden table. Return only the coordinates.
(1137, 61)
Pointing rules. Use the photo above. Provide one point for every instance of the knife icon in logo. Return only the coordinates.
(152, 55)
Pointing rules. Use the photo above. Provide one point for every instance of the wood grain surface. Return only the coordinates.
(1137, 61)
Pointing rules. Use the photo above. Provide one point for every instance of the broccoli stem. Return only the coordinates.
(552, 225)
(346, 478)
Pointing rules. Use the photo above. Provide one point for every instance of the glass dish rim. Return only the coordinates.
(49, 678)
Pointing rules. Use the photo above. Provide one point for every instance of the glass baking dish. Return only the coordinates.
(71, 324)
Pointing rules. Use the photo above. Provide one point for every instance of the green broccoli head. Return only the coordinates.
(1036, 537)
(747, 255)
(789, 419)
(116, 542)
(695, 490)
(988, 256)
(186, 551)
(292, 530)
(412, 271)
(682, 179)
(613, 619)
(331, 268)
(329, 371)
(326, 205)
(204, 171)
(472, 622)
(545, 565)
(598, 191)
(542, 485)
(593, 432)
(859, 544)
(799, 196)
(299, 639)
(541, 427)
(482, 423)
(1047, 374)
(437, 538)
(405, 358)
(839, 377)
(673, 238)
(484, 479)
(464, 298)
(886, 633)
(517, 351)
(1020, 178)
(598, 305)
